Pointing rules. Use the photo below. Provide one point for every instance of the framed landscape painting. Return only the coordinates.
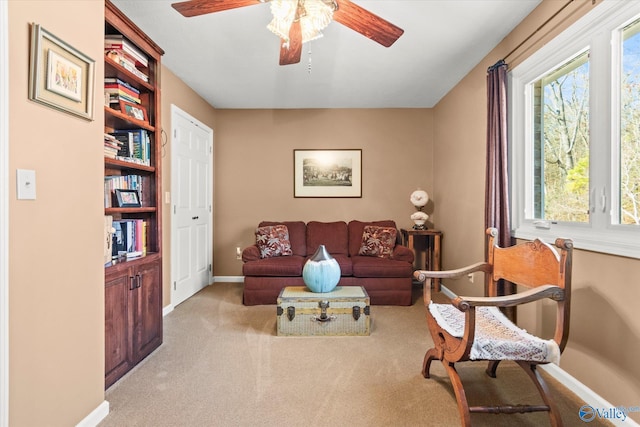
(327, 173)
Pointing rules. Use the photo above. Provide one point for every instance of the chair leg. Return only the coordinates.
(432, 354)
(461, 397)
(532, 372)
(491, 368)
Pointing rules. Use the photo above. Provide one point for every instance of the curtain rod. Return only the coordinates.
(539, 28)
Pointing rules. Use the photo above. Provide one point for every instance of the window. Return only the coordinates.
(629, 184)
(575, 134)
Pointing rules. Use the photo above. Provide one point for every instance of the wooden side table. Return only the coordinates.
(429, 258)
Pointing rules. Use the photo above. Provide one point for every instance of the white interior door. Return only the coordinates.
(191, 184)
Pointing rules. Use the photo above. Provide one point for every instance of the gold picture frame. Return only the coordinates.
(327, 173)
(60, 76)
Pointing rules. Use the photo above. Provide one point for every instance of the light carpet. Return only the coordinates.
(221, 364)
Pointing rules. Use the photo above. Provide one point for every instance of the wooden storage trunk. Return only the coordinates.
(344, 311)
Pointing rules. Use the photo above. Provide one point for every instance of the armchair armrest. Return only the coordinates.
(463, 303)
(422, 275)
(426, 277)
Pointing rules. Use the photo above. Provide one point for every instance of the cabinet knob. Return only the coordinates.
(194, 217)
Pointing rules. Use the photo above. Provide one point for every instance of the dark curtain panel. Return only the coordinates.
(497, 179)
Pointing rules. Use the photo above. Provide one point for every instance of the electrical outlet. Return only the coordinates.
(238, 252)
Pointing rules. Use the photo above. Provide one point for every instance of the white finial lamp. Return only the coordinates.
(419, 199)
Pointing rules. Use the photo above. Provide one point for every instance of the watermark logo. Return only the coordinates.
(588, 413)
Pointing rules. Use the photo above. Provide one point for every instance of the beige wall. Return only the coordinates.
(254, 169)
(56, 298)
(56, 276)
(605, 334)
(175, 92)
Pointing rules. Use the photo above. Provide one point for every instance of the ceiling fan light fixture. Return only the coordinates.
(314, 16)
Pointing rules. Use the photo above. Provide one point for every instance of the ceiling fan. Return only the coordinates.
(299, 21)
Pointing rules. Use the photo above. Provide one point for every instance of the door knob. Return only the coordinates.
(194, 217)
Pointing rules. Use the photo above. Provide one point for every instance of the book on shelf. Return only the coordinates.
(119, 88)
(116, 94)
(119, 82)
(119, 42)
(121, 182)
(127, 63)
(136, 146)
(129, 238)
(111, 146)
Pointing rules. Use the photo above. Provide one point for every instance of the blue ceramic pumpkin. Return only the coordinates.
(321, 272)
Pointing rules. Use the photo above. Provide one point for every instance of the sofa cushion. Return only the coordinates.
(356, 229)
(366, 266)
(333, 235)
(297, 235)
(284, 266)
(378, 241)
(346, 266)
(273, 241)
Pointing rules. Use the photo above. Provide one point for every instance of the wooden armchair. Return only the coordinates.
(474, 328)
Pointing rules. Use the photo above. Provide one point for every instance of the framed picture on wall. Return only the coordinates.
(60, 76)
(327, 173)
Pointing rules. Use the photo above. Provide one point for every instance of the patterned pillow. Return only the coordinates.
(273, 240)
(378, 241)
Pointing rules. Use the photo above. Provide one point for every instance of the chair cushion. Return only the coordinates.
(496, 338)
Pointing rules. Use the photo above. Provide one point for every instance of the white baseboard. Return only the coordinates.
(96, 416)
(166, 310)
(589, 396)
(228, 279)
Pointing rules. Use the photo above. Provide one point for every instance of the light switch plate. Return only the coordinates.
(26, 183)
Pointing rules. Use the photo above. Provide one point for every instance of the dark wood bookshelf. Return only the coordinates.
(125, 165)
(113, 69)
(118, 120)
(133, 287)
(113, 211)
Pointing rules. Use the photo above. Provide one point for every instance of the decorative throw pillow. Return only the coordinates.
(273, 240)
(378, 241)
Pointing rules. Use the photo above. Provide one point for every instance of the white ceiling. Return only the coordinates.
(231, 59)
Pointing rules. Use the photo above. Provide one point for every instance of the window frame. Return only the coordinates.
(596, 32)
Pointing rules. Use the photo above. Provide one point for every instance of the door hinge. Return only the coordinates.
(174, 209)
(209, 268)
(174, 285)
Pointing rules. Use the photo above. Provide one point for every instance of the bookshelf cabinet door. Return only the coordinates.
(118, 321)
(148, 309)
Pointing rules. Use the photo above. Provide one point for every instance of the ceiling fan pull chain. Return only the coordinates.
(309, 64)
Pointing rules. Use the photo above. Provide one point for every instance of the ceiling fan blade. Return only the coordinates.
(366, 23)
(202, 7)
(291, 53)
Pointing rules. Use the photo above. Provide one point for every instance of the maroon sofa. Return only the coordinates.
(388, 281)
